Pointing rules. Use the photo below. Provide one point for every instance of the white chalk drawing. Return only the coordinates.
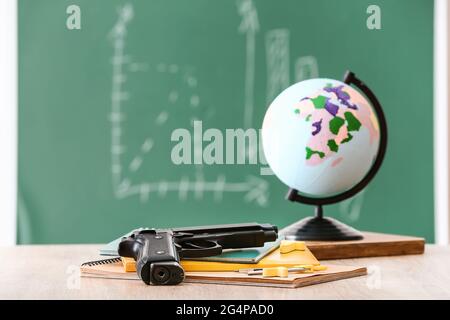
(195, 101)
(138, 67)
(277, 60)
(117, 94)
(162, 118)
(249, 27)
(185, 76)
(136, 163)
(191, 81)
(350, 209)
(306, 68)
(255, 189)
(173, 96)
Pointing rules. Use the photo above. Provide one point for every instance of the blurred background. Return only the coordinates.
(92, 90)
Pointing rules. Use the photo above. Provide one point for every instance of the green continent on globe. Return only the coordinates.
(310, 152)
(349, 137)
(333, 145)
(319, 102)
(353, 124)
(335, 124)
(332, 116)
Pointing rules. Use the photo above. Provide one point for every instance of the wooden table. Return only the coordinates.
(51, 272)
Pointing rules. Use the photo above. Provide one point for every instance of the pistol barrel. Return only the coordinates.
(231, 236)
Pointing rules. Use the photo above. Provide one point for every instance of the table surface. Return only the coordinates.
(52, 272)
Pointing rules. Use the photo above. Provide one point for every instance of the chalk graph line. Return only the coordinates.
(249, 26)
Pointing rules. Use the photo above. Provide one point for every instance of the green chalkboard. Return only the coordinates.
(98, 106)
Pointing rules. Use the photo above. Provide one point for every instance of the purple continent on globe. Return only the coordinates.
(343, 96)
(318, 126)
(331, 107)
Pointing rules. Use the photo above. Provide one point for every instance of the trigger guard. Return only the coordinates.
(198, 251)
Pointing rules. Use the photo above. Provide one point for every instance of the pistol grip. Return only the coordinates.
(127, 248)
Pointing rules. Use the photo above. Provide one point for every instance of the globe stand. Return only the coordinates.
(320, 228)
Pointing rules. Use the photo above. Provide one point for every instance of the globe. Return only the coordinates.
(320, 137)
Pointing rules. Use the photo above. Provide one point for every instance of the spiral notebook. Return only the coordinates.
(113, 269)
(107, 268)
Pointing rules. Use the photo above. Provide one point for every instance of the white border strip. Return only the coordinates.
(441, 177)
(8, 121)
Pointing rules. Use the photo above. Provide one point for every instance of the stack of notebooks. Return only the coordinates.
(224, 269)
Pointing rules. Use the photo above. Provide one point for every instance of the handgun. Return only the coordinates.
(157, 252)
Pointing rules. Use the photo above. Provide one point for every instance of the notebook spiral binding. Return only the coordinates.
(100, 262)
